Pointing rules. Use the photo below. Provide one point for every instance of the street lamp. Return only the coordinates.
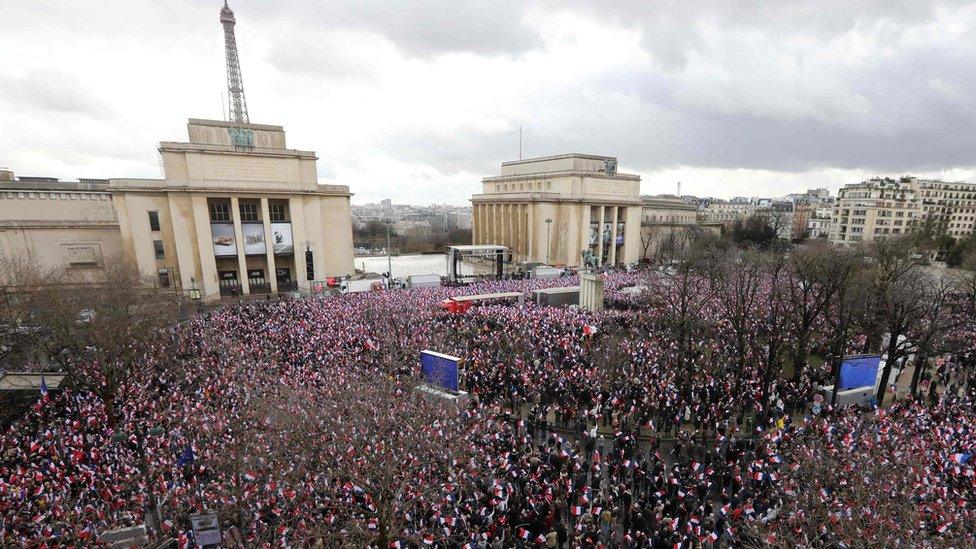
(389, 261)
(548, 225)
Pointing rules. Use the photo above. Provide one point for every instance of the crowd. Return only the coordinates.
(291, 420)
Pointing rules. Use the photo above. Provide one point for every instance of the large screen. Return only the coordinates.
(859, 371)
(281, 241)
(223, 239)
(440, 369)
(253, 238)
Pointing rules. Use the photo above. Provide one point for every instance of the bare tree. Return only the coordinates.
(98, 331)
(817, 273)
(897, 286)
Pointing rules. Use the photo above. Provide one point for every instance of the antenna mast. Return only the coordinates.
(520, 142)
(235, 84)
(679, 189)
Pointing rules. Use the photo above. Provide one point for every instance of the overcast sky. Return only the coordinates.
(417, 101)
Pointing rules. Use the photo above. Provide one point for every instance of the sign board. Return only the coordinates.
(859, 371)
(223, 239)
(206, 529)
(253, 238)
(281, 239)
(440, 369)
(133, 536)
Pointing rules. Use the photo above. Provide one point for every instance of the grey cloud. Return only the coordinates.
(54, 91)
(422, 28)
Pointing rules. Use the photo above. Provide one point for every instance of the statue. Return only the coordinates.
(589, 260)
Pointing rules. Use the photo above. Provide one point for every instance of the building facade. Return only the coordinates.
(668, 225)
(725, 212)
(551, 209)
(951, 205)
(236, 213)
(881, 207)
(874, 208)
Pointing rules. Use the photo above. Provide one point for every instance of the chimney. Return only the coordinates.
(6, 175)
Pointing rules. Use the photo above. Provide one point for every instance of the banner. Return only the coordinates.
(253, 238)
(440, 369)
(859, 371)
(281, 241)
(223, 239)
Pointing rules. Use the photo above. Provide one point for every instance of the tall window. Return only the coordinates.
(158, 248)
(153, 221)
(163, 278)
(249, 212)
(276, 211)
(219, 211)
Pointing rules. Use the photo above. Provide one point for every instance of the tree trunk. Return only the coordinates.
(921, 362)
(109, 401)
(889, 363)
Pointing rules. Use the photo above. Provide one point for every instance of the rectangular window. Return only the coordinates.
(276, 212)
(219, 212)
(153, 221)
(249, 212)
(158, 248)
(163, 278)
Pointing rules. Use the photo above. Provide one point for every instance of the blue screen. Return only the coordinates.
(441, 370)
(859, 372)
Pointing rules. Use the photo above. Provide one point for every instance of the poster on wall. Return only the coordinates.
(253, 238)
(281, 241)
(223, 239)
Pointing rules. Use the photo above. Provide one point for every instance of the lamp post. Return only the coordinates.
(389, 260)
(548, 225)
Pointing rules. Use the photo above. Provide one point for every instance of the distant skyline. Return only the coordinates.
(417, 101)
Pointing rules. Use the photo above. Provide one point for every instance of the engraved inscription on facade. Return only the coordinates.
(242, 168)
(597, 186)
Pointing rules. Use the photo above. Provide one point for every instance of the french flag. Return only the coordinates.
(696, 467)
(960, 458)
(589, 329)
(776, 459)
(524, 534)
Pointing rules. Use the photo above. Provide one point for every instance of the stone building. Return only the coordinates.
(874, 208)
(550, 209)
(236, 213)
(668, 225)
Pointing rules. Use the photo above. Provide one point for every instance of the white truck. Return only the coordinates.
(423, 281)
(362, 285)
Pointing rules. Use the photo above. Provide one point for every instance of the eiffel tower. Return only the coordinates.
(235, 84)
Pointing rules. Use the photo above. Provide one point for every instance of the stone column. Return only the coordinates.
(591, 292)
(613, 235)
(478, 224)
(235, 213)
(208, 284)
(599, 234)
(269, 246)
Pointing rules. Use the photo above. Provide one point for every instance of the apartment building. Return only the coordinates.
(883, 207)
(874, 208)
